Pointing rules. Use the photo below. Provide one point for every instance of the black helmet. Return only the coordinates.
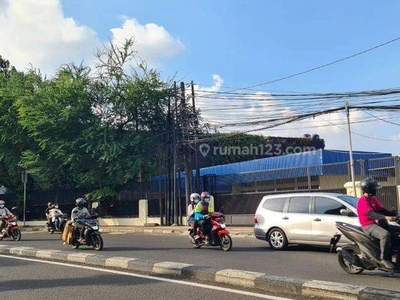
(204, 195)
(50, 204)
(80, 202)
(369, 185)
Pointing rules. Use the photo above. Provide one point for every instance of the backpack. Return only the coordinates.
(68, 233)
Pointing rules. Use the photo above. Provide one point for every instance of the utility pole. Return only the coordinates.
(188, 170)
(351, 150)
(196, 150)
(24, 181)
(160, 163)
(175, 123)
(169, 164)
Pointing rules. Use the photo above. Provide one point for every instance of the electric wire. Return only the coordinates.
(319, 67)
(362, 135)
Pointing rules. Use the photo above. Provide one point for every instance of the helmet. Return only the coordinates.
(369, 185)
(205, 196)
(2, 203)
(50, 204)
(194, 197)
(80, 202)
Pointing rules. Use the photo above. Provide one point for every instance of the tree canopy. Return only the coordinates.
(93, 128)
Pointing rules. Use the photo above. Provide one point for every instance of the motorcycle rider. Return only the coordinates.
(194, 199)
(53, 213)
(201, 211)
(372, 215)
(79, 215)
(50, 205)
(4, 211)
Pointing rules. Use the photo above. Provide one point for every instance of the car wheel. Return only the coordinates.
(277, 239)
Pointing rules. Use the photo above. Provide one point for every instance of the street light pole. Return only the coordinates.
(351, 150)
(24, 181)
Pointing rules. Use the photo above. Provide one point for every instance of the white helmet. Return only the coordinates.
(194, 197)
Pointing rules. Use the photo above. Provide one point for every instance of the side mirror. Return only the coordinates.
(14, 209)
(347, 212)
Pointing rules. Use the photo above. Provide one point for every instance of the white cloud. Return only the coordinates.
(219, 110)
(35, 32)
(153, 43)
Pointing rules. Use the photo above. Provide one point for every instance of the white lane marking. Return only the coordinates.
(222, 289)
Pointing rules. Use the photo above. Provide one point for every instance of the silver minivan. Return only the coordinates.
(303, 218)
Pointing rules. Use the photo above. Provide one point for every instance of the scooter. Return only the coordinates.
(11, 228)
(92, 234)
(219, 234)
(59, 219)
(364, 252)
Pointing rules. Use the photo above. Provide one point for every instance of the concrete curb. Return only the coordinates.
(236, 278)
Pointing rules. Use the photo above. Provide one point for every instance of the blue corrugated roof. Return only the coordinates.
(310, 158)
(334, 156)
(287, 166)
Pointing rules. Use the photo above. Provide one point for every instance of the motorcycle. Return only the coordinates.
(11, 228)
(92, 234)
(219, 234)
(364, 252)
(60, 219)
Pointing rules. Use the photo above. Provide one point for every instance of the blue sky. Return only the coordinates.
(223, 45)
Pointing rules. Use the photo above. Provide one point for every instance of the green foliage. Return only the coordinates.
(238, 146)
(14, 139)
(91, 129)
(101, 194)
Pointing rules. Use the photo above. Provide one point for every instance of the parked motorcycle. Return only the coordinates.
(364, 253)
(59, 219)
(92, 234)
(219, 234)
(11, 228)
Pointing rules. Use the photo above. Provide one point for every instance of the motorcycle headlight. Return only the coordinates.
(95, 227)
(223, 226)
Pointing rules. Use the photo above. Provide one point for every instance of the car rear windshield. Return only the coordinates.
(349, 199)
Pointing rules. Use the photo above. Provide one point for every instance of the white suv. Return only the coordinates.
(303, 218)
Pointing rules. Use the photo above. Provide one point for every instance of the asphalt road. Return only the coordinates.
(249, 254)
(33, 279)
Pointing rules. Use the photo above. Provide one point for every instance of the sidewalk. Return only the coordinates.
(235, 231)
(244, 231)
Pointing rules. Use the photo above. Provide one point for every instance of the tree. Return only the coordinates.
(55, 116)
(95, 129)
(14, 140)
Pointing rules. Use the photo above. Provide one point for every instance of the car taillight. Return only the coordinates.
(255, 219)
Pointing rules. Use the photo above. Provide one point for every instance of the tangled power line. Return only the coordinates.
(251, 113)
(235, 108)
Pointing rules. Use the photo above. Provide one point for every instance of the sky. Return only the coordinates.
(251, 48)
